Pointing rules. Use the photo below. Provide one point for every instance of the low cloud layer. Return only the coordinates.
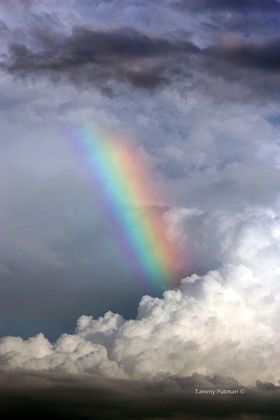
(83, 397)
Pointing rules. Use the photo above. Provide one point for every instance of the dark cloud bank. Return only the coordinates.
(232, 5)
(100, 57)
(84, 397)
(86, 55)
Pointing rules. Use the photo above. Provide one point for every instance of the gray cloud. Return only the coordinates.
(102, 57)
(122, 54)
(249, 19)
(80, 397)
(259, 55)
(237, 5)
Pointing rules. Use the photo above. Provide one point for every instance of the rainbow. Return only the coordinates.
(123, 184)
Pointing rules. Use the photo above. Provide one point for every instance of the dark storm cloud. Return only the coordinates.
(81, 397)
(250, 69)
(99, 57)
(122, 54)
(261, 56)
(249, 18)
(243, 5)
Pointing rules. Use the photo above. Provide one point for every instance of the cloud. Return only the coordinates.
(225, 237)
(108, 56)
(237, 5)
(57, 246)
(97, 56)
(259, 55)
(218, 158)
(224, 322)
(80, 397)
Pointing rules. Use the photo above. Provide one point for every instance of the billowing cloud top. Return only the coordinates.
(224, 322)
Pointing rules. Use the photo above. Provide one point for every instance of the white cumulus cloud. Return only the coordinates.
(222, 322)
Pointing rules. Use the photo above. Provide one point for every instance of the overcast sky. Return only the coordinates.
(194, 86)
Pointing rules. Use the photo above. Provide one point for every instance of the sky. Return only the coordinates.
(191, 89)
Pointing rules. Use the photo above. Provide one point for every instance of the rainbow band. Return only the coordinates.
(120, 182)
